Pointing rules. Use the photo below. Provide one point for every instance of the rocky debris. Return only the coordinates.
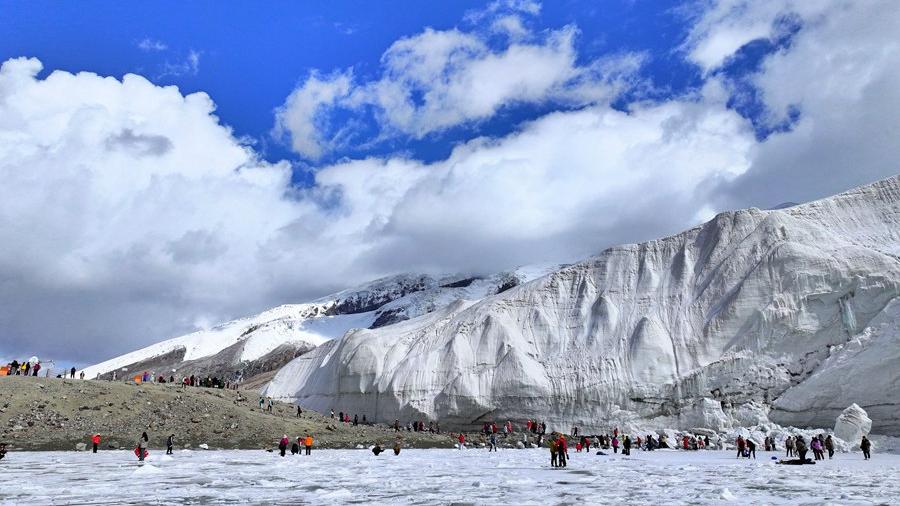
(852, 424)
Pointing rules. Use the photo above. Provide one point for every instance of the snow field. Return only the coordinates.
(471, 476)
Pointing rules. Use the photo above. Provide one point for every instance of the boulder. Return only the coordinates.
(203, 446)
(852, 424)
(520, 445)
(80, 447)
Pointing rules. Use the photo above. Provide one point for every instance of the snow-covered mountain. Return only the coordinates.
(259, 344)
(791, 310)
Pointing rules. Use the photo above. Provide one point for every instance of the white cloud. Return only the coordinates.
(840, 73)
(440, 79)
(190, 66)
(304, 114)
(150, 45)
(133, 214)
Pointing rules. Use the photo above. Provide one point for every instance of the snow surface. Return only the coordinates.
(404, 295)
(794, 310)
(289, 324)
(471, 476)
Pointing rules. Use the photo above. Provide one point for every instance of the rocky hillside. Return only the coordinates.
(792, 311)
(55, 414)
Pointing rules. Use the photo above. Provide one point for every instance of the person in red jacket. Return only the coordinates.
(462, 441)
(283, 444)
(562, 450)
(96, 441)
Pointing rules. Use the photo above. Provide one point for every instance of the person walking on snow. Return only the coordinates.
(866, 446)
(462, 441)
(493, 441)
(562, 450)
(829, 445)
(143, 442)
(554, 452)
(95, 441)
(615, 444)
(170, 443)
(751, 448)
(283, 444)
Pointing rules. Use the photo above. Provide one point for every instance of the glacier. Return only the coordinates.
(794, 310)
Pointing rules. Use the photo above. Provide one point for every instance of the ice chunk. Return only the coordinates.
(852, 424)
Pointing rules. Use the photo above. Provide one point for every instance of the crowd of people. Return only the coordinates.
(304, 442)
(33, 367)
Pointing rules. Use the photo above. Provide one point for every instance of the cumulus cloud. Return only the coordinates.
(840, 77)
(129, 213)
(439, 79)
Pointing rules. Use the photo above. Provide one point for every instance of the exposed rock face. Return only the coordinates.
(750, 306)
(852, 424)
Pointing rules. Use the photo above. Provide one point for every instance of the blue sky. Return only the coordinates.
(354, 140)
(252, 55)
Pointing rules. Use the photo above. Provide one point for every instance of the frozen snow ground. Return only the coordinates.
(440, 477)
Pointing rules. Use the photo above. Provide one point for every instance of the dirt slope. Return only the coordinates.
(55, 414)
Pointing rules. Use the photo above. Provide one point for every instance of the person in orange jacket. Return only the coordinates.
(96, 441)
(308, 443)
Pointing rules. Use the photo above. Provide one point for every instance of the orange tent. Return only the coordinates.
(4, 371)
(137, 379)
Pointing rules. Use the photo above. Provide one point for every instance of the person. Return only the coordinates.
(554, 448)
(741, 444)
(615, 444)
(563, 451)
(751, 449)
(261, 402)
(575, 431)
(2, 450)
(308, 443)
(355, 419)
(626, 446)
(295, 446)
(170, 443)
(829, 445)
(866, 446)
(332, 414)
(283, 444)
(816, 446)
(493, 441)
(141, 449)
(685, 442)
(72, 375)
(800, 447)
(269, 407)
(462, 441)
(789, 447)
(377, 449)
(81, 375)
(95, 441)
(397, 446)
(299, 411)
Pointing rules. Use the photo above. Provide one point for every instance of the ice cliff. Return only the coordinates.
(792, 309)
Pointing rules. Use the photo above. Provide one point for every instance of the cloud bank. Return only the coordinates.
(129, 212)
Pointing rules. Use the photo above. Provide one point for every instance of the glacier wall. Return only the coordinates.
(745, 308)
